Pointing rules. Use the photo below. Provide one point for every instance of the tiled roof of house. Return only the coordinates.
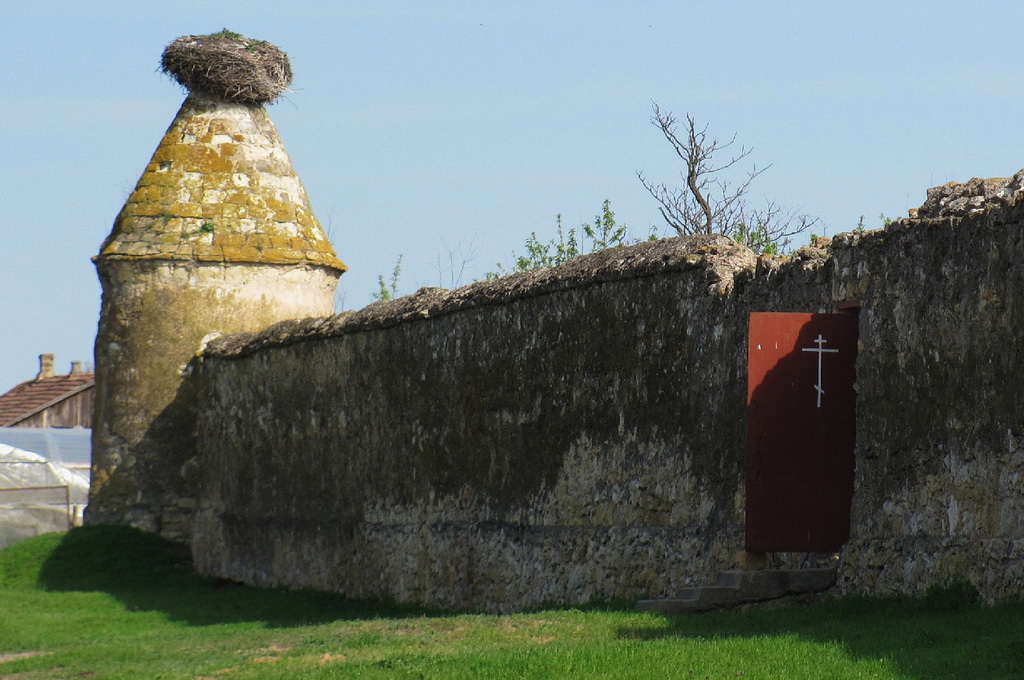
(32, 396)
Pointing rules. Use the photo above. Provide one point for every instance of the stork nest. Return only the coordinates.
(228, 66)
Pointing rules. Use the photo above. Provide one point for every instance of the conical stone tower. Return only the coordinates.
(217, 237)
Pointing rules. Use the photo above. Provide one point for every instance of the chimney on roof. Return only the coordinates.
(45, 366)
(76, 367)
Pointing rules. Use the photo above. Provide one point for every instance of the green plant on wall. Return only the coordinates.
(206, 227)
(388, 290)
(567, 243)
(758, 238)
(562, 248)
(603, 233)
(861, 227)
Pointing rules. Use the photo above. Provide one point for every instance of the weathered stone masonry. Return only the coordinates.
(578, 433)
(217, 237)
(940, 463)
(515, 451)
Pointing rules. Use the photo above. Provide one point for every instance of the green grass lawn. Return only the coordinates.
(107, 602)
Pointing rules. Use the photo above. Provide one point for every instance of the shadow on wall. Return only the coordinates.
(162, 477)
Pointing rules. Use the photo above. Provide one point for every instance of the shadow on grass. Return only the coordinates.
(947, 633)
(148, 573)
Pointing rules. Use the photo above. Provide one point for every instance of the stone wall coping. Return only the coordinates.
(717, 257)
(722, 261)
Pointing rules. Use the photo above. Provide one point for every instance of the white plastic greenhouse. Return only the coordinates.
(37, 496)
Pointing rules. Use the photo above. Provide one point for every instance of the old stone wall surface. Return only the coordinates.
(155, 315)
(939, 490)
(578, 433)
(552, 437)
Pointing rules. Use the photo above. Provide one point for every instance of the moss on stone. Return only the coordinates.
(194, 176)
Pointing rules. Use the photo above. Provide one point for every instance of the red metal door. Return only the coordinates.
(800, 431)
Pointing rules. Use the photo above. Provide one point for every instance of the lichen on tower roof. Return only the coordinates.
(228, 66)
(220, 188)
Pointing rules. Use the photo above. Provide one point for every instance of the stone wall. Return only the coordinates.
(154, 317)
(557, 436)
(578, 433)
(940, 464)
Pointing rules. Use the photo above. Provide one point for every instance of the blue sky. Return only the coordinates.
(449, 131)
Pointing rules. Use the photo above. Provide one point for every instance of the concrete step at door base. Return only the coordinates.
(735, 586)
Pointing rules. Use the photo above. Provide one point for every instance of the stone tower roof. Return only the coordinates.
(220, 188)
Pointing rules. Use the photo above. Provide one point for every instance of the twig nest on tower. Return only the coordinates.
(228, 66)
